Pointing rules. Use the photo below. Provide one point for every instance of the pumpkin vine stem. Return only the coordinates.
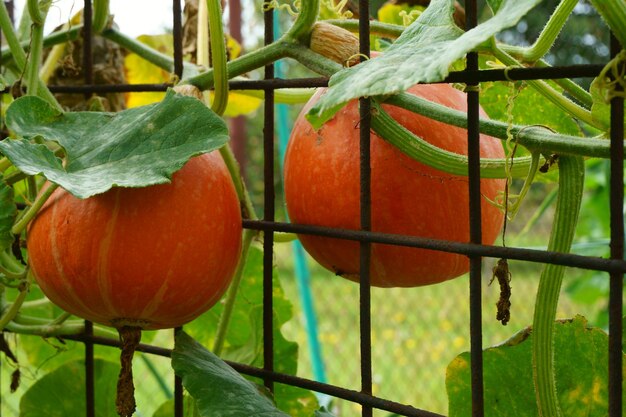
(13, 309)
(571, 183)
(215, 31)
(231, 295)
(31, 212)
(130, 336)
(548, 35)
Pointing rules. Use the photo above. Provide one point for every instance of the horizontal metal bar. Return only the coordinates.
(469, 249)
(113, 88)
(519, 74)
(278, 377)
(574, 71)
(278, 83)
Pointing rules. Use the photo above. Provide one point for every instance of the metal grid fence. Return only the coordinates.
(475, 250)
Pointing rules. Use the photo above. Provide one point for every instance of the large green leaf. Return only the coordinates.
(133, 148)
(581, 358)
(218, 389)
(244, 339)
(61, 393)
(423, 53)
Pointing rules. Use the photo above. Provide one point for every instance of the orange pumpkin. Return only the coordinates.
(154, 257)
(408, 198)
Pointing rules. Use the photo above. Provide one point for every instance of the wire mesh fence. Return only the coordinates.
(385, 351)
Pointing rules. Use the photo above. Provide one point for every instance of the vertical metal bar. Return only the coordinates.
(87, 42)
(617, 248)
(268, 210)
(473, 133)
(178, 70)
(178, 389)
(365, 304)
(90, 389)
(178, 38)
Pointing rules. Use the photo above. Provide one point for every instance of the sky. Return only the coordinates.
(134, 17)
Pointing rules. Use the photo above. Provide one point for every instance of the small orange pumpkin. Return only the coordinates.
(149, 258)
(408, 197)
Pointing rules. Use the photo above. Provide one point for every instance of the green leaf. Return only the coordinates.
(529, 108)
(8, 211)
(244, 339)
(61, 393)
(167, 408)
(218, 389)
(133, 148)
(508, 374)
(423, 53)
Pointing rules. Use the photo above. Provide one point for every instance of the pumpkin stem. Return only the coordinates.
(130, 337)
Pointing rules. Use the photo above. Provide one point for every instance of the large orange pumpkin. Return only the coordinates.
(154, 257)
(409, 198)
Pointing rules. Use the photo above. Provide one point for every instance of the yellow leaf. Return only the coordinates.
(140, 71)
(239, 104)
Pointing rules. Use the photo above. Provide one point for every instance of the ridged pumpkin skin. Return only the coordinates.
(409, 198)
(154, 257)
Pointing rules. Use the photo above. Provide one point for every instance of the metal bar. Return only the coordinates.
(470, 249)
(177, 25)
(178, 38)
(515, 74)
(90, 389)
(331, 390)
(475, 226)
(268, 211)
(179, 410)
(365, 248)
(578, 71)
(617, 248)
(102, 88)
(87, 34)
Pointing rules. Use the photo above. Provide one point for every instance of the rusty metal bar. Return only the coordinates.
(179, 410)
(365, 248)
(90, 388)
(616, 307)
(87, 35)
(579, 71)
(470, 249)
(177, 28)
(475, 226)
(268, 210)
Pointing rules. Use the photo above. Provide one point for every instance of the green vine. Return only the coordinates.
(100, 15)
(571, 182)
(613, 75)
(548, 35)
(218, 56)
(614, 13)
(19, 55)
(31, 212)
